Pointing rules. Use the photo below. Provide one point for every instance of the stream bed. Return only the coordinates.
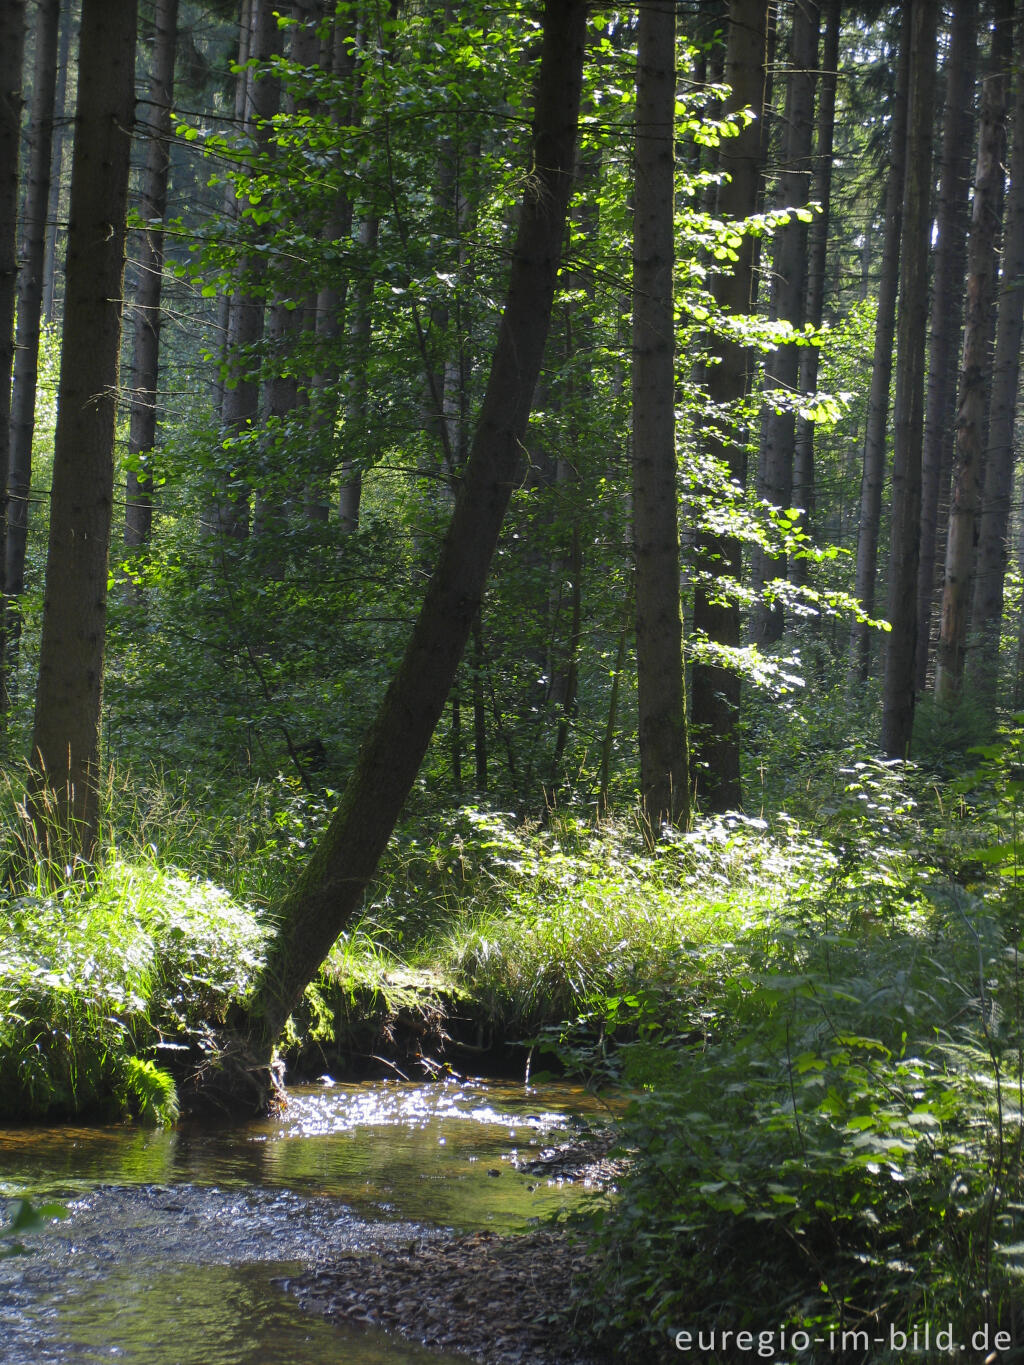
(175, 1238)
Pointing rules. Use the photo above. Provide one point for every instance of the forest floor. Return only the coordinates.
(497, 1299)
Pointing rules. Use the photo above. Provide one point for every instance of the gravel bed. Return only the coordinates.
(498, 1300)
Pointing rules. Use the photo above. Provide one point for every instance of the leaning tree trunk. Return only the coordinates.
(30, 303)
(877, 425)
(994, 520)
(328, 892)
(952, 218)
(715, 690)
(138, 520)
(972, 395)
(64, 795)
(664, 769)
(898, 693)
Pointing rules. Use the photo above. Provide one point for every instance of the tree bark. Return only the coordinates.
(804, 494)
(30, 300)
(973, 389)
(715, 690)
(12, 49)
(138, 523)
(358, 392)
(64, 787)
(782, 368)
(240, 404)
(333, 294)
(60, 138)
(953, 217)
(664, 768)
(230, 213)
(330, 887)
(877, 425)
(898, 693)
(286, 389)
(994, 519)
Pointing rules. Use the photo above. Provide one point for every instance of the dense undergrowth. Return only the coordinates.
(833, 1171)
(823, 1028)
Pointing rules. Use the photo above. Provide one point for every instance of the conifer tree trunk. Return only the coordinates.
(898, 694)
(230, 213)
(66, 733)
(240, 402)
(357, 398)
(61, 137)
(12, 48)
(715, 690)
(286, 391)
(328, 892)
(138, 522)
(804, 493)
(30, 301)
(973, 392)
(664, 769)
(782, 368)
(953, 217)
(332, 296)
(994, 520)
(877, 425)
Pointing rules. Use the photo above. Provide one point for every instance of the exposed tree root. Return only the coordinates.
(233, 1077)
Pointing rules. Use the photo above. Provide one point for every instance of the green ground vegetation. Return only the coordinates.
(819, 1017)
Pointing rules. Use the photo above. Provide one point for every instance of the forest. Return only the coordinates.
(512, 565)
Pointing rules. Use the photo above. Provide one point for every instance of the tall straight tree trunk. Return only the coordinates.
(715, 690)
(877, 425)
(357, 397)
(64, 794)
(817, 258)
(286, 390)
(60, 141)
(328, 892)
(953, 217)
(898, 688)
(994, 519)
(138, 522)
(240, 403)
(664, 768)
(12, 49)
(782, 369)
(566, 569)
(973, 391)
(230, 212)
(332, 297)
(30, 300)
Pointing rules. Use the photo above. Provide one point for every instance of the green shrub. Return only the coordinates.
(844, 1153)
(94, 974)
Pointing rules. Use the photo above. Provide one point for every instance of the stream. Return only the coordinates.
(175, 1238)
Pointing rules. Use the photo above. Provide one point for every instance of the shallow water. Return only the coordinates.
(175, 1238)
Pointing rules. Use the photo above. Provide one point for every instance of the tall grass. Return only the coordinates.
(102, 967)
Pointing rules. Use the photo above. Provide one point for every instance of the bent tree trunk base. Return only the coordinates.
(330, 889)
(239, 1076)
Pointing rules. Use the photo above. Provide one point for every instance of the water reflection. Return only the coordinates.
(175, 1238)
